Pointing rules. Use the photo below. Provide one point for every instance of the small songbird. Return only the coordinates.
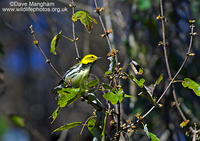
(78, 74)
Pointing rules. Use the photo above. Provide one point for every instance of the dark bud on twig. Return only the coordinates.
(78, 58)
(159, 17)
(166, 20)
(109, 31)
(102, 9)
(31, 27)
(97, 10)
(192, 21)
(173, 103)
(160, 105)
(167, 44)
(194, 34)
(103, 35)
(160, 43)
(35, 42)
(48, 61)
(77, 39)
(187, 133)
(190, 54)
(72, 5)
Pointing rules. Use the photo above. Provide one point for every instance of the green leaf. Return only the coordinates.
(138, 70)
(192, 85)
(54, 43)
(68, 96)
(120, 94)
(148, 94)
(91, 125)
(150, 136)
(114, 98)
(140, 82)
(148, 91)
(108, 72)
(111, 97)
(153, 137)
(120, 97)
(67, 126)
(85, 19)
(106, 86)
(55, 114)
(130, 77)
(19, 121)
(93, 129)
(104, 127)
(92, 83)
(144, 4)
(146, 131)
(159, 79)
(129, 96)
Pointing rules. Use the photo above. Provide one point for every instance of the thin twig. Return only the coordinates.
(194, 132)
(35, 41)
(73, 32)
(118, 114)
(86, 124)
(104, 29)
(177, 104)
(194, 136)
(107, 19)
(118, 120)
(164, 41)
(147, 113)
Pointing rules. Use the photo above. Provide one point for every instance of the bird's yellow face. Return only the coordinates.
(90, 58)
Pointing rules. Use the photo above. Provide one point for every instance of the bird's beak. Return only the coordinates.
(99, 58)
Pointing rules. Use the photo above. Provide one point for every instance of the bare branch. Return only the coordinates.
(164, 41)
(102, 24)
(73, 32)
(35, 41)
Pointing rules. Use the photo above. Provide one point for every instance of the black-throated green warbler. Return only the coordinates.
(78, 74)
